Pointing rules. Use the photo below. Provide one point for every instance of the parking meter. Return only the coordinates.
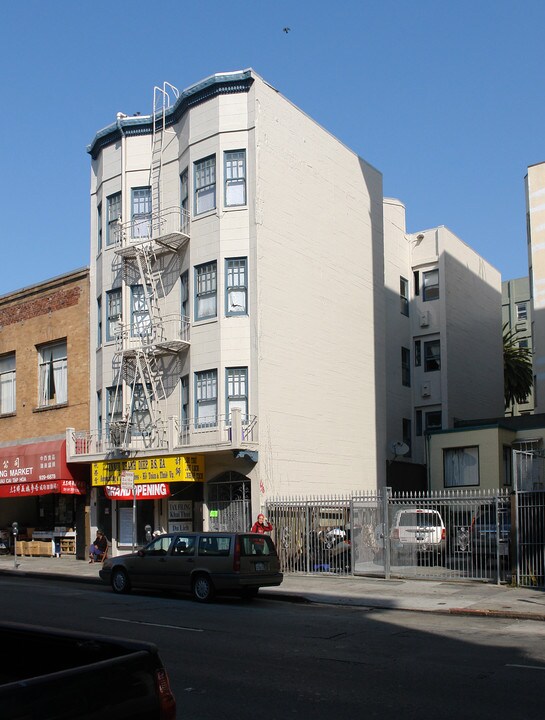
(15, 532)
(147, 529)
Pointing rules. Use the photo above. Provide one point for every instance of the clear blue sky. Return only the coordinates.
(445, 97)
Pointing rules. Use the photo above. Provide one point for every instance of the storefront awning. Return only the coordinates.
(37, 469)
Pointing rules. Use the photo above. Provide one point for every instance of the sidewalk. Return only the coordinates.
(460, 598)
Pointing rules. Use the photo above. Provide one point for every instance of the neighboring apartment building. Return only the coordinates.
(517, 318)
(535, 225)
(44, 387)
(444, 338)
(237, 309)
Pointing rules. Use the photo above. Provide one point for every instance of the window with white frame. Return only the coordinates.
(141, 212)
(461, 467)
(432, 356)
(417, 353)
(99, 227)
(430, 285)
(522, 311)
(205, 185)
(184, 191)
(206, 291)
(7, 383)
(113, 313)
(405, 367)
(184, 291)
(113, 203)
(184, 405)
(140, 316)
(114, 409)
(141, 421)
(53, 374)
(99, 321)
(206, 398)
(404, 295)
(237, 391)
(434, 420)
(235, 178)
(236, 286)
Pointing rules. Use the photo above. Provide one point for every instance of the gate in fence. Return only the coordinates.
(450, 535)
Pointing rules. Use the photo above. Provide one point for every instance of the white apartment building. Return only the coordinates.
(444, 357)
(535, 224)
(237, 312)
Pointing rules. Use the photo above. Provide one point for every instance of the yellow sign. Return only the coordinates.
(180, 468)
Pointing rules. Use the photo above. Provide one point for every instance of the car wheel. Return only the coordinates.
(120, 581)
(203, 588)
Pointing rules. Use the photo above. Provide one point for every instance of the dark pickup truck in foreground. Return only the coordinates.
(49, 674)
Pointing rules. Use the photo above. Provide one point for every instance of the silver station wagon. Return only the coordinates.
(202, 563)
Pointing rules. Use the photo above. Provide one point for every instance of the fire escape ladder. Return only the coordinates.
(162, 98)
(152, 282)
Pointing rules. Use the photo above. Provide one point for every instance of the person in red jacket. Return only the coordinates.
(262, 525)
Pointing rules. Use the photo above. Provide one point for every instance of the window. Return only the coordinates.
(140, 317)
(99, 322)
(214, 546)
(461, 467)
(404, 295)
(432, 356)
(407, 435)
(430, 285)
(523, 344)
(114, 218)
(184, 405)
(114, 407)
(433, 420)
(53, 374)
(184, 292)
(522, 311)
(99, 412)
(416, 281)
(141, 212)
(141, 416)
(113, 313)
(205, 185)
(235, 178)
(406, 367)
(7, 383)
(417, 353)
(206, 291)
(237, 391)
(99, 227)
(236, 286)
(206, 398)
(184, 191)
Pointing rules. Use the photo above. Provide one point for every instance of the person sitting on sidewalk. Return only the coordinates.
(98, 548)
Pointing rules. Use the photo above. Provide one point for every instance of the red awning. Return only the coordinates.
(37, 469)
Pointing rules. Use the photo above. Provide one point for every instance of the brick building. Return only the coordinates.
(44, 387)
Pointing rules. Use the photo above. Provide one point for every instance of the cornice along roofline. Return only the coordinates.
(219, 84)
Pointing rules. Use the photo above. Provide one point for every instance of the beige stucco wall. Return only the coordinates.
(535, 209)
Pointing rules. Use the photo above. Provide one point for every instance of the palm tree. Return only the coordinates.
(518, 376)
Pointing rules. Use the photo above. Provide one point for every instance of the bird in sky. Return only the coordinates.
(286, 30)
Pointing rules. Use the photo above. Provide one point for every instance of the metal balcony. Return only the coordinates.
(168, 230)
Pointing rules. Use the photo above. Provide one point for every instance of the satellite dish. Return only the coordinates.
(399, 448)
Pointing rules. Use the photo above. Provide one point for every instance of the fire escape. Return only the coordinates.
(150, 338)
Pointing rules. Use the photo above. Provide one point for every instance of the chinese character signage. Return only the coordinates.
(179, 468)
(35, 462)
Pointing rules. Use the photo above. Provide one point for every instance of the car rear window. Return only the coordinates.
(420, 519)
(214, 545)
(254, 545)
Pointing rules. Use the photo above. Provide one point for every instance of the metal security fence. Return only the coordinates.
(451, 535)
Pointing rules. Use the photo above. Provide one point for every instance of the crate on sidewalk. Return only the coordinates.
(33, 548)
(21, 547)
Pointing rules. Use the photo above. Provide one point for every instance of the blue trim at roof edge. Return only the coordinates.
(200, 92)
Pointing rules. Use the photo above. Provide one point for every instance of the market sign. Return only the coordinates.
(34, 463)
(49, 487)
(177, 468)
(147, 491)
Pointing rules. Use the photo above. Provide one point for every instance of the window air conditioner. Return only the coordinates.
(425, 318)
(426, 390)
